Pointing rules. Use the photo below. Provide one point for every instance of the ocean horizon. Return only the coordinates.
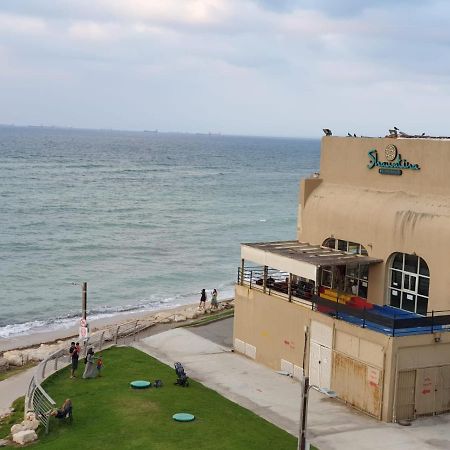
(146, 219)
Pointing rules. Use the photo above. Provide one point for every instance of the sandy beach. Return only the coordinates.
(48, 336)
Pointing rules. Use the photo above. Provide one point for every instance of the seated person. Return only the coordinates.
(65, 409)
(304, 290)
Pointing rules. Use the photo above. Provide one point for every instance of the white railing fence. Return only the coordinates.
(37, 399)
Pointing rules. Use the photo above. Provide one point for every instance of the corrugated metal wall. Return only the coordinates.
(358, 383)
(406, 388)
(421, 392)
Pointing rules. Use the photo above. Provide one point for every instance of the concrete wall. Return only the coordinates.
(422, 351)
(275, 328)
(408, 213)
(271, 324)
(387, 214)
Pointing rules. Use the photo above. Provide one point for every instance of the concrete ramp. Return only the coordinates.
(331, 424)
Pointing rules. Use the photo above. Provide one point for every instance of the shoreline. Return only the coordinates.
(37, 338)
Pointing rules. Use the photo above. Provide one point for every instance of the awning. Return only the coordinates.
(300, 258)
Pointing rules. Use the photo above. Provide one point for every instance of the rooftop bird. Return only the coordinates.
(327, 132)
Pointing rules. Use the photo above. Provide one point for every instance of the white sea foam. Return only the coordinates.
(61, 323)
(147, 219)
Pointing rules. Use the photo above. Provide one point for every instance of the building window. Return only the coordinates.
(352, 279)
(409, 283)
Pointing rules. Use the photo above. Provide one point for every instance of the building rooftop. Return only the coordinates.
(303, 251)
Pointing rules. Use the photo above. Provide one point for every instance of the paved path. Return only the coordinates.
(331, 424)
(17, 385)
(207, 357)
(14, 387)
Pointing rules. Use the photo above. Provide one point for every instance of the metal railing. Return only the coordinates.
(276, 284)
(37, 400)
(401, 324)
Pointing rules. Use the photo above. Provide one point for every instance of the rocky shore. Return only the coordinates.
(37, 347)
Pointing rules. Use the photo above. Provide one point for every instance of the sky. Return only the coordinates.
(250, 67)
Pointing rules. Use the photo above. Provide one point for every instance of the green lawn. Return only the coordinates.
(214, 317)
(108, 414)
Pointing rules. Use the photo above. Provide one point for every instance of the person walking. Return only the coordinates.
(202, 300)
(214, 302)
(90, 371)
(74, 355)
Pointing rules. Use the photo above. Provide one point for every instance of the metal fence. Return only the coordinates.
(276, 283)
(37, 400)
(401, 324)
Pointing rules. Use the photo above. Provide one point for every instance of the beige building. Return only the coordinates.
(360, 302)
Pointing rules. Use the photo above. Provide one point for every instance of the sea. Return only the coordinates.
(147, 219)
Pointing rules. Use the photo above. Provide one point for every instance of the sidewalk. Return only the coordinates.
(17, 385)
(331, 424)
(14, 387)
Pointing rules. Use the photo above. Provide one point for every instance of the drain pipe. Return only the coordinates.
(394, 402)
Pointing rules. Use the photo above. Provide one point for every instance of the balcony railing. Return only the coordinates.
(277, 283)
(382, 319)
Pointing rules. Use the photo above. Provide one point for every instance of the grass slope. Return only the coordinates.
(16, 417)
(108, 414)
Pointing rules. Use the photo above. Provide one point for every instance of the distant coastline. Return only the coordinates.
(147, 219)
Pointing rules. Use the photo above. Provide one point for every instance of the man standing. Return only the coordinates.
(74, 355)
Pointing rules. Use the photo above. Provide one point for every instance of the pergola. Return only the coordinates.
(298, 258)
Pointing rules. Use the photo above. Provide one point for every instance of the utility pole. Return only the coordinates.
(83, 300)
(303, 412)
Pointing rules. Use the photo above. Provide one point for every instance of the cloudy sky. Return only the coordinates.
(260, 67)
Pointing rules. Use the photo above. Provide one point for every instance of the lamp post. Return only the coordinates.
(305, 388)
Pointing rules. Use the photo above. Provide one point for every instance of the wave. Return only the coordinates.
(72, 319)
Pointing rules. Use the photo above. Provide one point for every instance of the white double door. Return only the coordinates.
(320, 355)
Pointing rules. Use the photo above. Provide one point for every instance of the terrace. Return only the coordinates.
(301, 273)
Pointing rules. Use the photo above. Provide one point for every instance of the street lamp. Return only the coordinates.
(304, 408)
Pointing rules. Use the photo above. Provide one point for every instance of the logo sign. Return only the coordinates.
(394, 164)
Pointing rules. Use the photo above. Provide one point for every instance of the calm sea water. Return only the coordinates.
(147, 219)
